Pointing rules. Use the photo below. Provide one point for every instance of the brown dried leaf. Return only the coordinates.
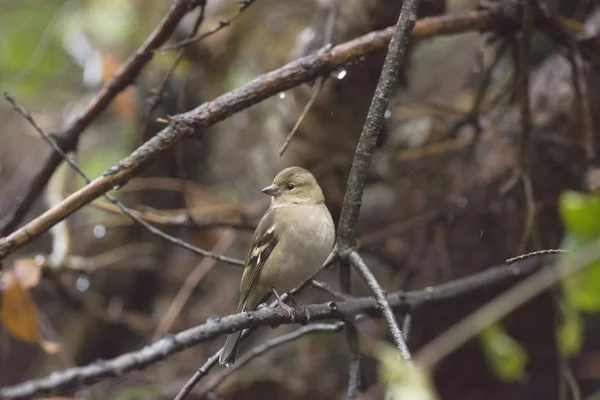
(19, 314)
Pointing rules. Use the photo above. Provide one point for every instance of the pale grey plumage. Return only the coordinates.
(292, 240)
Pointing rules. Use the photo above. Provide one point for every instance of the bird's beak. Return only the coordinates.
(271, 190)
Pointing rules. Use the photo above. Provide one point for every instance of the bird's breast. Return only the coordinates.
(304, 243)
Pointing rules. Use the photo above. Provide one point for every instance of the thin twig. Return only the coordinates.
(534, 254)
(176, 218)
(324, 286)
(583, 102)
(355, 362)
(198, 375)
(157, 95)
(524, 51)
(382, 301)
(150, 228)
(406, 325)
(329, 25)
(263, 348)
(315, 92)
(501, 306)
(244, 4)
(192, 281)
(492, 277)
(472, 117)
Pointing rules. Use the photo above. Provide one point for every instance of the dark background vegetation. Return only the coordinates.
(443, 198)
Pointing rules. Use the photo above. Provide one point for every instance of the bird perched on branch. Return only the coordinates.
(290, 244)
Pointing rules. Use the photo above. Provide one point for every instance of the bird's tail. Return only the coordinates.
(230, 348)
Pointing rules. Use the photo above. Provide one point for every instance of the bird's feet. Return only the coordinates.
(290, 310)
(293, 310)
(300, 308)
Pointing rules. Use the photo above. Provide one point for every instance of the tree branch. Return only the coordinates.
(184, 125)
(346, 240)
(160, 350)
(150, 228)
(202, 371)
(382, 301)
(122, 78)
(373, 125)
(263, 348)
(459, 334)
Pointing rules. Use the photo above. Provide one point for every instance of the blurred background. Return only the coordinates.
(441, 202)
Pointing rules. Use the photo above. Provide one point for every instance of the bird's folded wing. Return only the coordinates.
(265, 240)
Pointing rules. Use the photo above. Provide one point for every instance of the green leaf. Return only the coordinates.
(582, 290)
(504, 355)
(580, 213)
(403, 381)
(570, 330)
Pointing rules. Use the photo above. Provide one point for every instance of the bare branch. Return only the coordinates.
(182, 219)
(157, 94)
(534, 254)
(191, 283)
(329, 25)
(523, 54)
(160, 350)
(501, 306)
(244, 4)
(150, 228)
(324, 286)
(346, 240)
(184, 125)
(263, 348)
(382, 301)
(202, 371)
(373, 125)
(580, 84)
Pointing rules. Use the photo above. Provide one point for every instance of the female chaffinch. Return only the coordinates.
(290, 244)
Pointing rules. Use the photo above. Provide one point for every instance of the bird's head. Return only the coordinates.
(294, 185)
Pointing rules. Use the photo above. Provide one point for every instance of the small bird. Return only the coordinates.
(290, 244)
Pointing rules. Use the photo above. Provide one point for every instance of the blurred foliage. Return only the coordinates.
(581, 216)
(403, 381)
(30, 50)
(505, 356)
(18, 312)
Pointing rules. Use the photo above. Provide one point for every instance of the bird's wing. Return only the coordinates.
(265, 240)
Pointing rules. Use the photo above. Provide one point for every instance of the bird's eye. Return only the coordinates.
(290, 186)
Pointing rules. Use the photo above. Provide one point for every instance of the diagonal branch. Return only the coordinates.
(185, 125)
(383, 303)
(136, 360)
(123, 77)
(263, 348)
(150, 228)
(346, 241)
(373, 126)
(244, 4)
